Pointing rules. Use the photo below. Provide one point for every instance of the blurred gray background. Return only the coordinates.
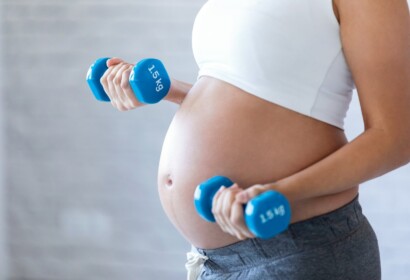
(78, 194)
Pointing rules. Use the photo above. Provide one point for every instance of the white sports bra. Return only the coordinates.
(288, 52)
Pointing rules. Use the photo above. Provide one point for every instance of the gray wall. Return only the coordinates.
(81, 177)
(3, 247)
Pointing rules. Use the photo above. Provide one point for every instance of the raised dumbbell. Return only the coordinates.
(266, 215)
(148, 79)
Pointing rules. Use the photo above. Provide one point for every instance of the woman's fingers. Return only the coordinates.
(246, 195)
(237, 220)
(217, 206)
(116, 100)
(104, 83)
(118, 82)
(225, 210)
(132, 101)
(115, 82)
(228, 213)
(228, 206)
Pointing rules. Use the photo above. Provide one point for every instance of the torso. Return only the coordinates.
(222, 130)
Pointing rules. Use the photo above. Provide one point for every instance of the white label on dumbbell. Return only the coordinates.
(156, 75)
(280, 211)
(271, 213)
(152, 68)
(159, 88)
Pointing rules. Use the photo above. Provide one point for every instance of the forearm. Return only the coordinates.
(372, 154)
(178, 91)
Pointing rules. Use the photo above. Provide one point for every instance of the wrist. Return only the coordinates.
(285, 189)
(177, 91)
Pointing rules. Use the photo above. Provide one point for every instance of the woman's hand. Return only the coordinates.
(115, 82)
(227, 208)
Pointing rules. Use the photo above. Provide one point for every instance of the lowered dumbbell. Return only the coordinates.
(266, 215)
(148, 79)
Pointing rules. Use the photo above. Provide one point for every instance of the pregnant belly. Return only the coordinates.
(222, 130)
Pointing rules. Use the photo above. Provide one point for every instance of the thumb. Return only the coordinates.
(246, 195)
(114, 61)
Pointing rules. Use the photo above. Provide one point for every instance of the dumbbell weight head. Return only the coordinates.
(266, 215)
(94, 74)
(204, 194)
(148, 79)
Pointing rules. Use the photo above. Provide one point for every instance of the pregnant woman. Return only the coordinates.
(275, 81)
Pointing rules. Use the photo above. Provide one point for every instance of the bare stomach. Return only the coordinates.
(222, 130)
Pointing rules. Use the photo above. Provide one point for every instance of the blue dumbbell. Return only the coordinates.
(266, 215)
(148, 79)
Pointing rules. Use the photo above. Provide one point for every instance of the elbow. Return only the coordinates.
(396, 144)
(407, 151)
(406, 144)
(401, 144)
(393, 134)
(404, 134)
(404, 154)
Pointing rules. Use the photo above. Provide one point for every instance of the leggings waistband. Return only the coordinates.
(310, 233)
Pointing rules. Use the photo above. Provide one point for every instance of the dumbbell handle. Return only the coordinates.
(148, 79)
(265, 215)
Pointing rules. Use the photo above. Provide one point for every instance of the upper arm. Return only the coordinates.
(375, 38)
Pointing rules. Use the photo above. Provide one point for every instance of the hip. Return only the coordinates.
(337, 245)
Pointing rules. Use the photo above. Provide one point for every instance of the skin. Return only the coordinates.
(211, 132)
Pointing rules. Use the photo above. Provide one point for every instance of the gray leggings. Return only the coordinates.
(337, 245)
